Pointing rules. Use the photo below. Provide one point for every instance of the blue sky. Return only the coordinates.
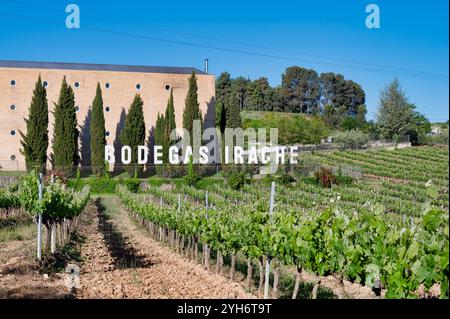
(325, 35)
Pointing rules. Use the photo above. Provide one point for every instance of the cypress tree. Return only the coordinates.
(97, 134)
(191, 110)
(159, 137)
(133, 133)
(233, 112)
(169, 126)
(65, 132)
(35, 141)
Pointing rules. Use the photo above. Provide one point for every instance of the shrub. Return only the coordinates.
(342, 179)
(132, 184)
(206, 183)
(438, 139)
(236, 180)
(191, 179)
(351, 139)
(102, 185)
(311, 180)
(286, 179)
(292, 129)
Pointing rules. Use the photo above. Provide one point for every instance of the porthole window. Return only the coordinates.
(45, 84)
(77, 108)
(107, 133)
(107, 85)
(107, 109)
(77, 84)
(138, 86)
(13, 132)
(167, 87)
(13, 82)
(13, 157)
(13, 107)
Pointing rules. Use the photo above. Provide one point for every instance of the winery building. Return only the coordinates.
(119, 85)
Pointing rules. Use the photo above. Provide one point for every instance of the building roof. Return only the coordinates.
(97, 67)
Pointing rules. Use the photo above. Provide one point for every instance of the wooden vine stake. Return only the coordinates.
(39, 223)
(266, 280)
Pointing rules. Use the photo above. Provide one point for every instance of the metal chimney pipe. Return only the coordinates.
(206, 66)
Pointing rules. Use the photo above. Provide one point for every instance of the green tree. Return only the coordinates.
(192, 107)
(343, 101)
(300, 90)
(259, 95)
(133, 133)
(223, 87)
(65, 132)
(420, 127)
(239, 88)
(395, 114)
(159, 138)
(35, 141)
(169, 126)
(220, 115)
(97, 134)
(233, 112)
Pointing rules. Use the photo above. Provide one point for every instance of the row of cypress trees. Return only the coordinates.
(65, 153)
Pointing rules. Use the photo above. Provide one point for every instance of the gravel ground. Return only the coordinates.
(122, 261)
(19, 275)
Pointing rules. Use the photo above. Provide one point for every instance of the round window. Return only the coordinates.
(13, 157)
(77, 108)
(107, 85)
(107, 133)
(13, 82)
(77, 84)
(167, 87)
(45, 84)
(12, 107)
(138, 86)
(13, 132)
(107, 109)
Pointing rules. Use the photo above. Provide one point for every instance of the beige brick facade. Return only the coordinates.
(154, 90)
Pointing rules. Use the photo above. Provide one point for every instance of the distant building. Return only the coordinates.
(119, 85)
(435, 130)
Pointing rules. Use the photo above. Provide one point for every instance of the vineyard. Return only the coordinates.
(390, 235)
(387, 231)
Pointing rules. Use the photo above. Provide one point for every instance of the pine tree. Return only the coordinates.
(97, 134)
(169, 126)
(233, 112)
(395, 114)
(65, 132)
(191, 110)
(35, 141)
(133, 133)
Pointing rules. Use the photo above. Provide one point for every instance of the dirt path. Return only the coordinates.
(122, 261)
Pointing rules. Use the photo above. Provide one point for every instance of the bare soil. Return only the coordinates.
(119, 260)
(20, 277)
(122, 261)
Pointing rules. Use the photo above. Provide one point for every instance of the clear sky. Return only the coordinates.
(328, 35)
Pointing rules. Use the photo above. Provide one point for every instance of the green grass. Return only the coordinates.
(19, 232)
(110, 204)
(12, 173)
